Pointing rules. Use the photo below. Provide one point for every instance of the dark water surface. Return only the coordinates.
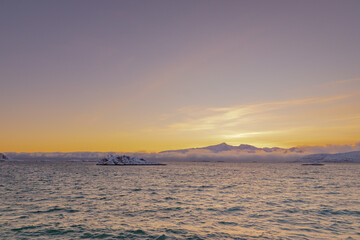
(44, 200)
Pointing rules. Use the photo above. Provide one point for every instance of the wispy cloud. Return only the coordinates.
(241, 114)
(246, 134)
(288, 122)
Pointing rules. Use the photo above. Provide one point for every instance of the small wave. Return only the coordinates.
(25, 228)
(234, 209)
(172, 209)
(258, 215)
(271, 203)
(293, 201)
(308, 230)
(55, 209)
(177, 231)
(162, 237)
(194, 237)
(59, 231)
(292, 210)
(229, 186)
(228, 223)
(332, 193)
(137, 232)
(212, 209)
(169, 198)
(339, 212)
(96, 235)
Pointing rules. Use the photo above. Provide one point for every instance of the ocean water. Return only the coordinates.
(74, 200)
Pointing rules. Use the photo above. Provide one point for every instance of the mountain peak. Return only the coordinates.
(247, 147)
(220, 147)
(222, 144)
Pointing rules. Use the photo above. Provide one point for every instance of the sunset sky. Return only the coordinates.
(143, 75)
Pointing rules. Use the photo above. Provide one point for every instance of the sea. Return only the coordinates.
(182, 200)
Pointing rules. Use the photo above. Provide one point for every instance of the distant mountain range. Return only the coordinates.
(242, 148)
(219, 152)
(337, 157)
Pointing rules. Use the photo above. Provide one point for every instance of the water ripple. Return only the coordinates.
(179, 201)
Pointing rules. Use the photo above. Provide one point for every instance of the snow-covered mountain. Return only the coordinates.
(242, 148)
(220, 147)
(337, 157)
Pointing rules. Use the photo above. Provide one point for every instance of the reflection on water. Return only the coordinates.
(179, 201)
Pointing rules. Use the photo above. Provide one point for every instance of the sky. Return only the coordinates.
(147, 76)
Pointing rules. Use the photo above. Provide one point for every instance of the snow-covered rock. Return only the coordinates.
(3, 157)
(338, 157)
(125, 160)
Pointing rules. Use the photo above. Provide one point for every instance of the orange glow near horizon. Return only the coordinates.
(299, 122)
